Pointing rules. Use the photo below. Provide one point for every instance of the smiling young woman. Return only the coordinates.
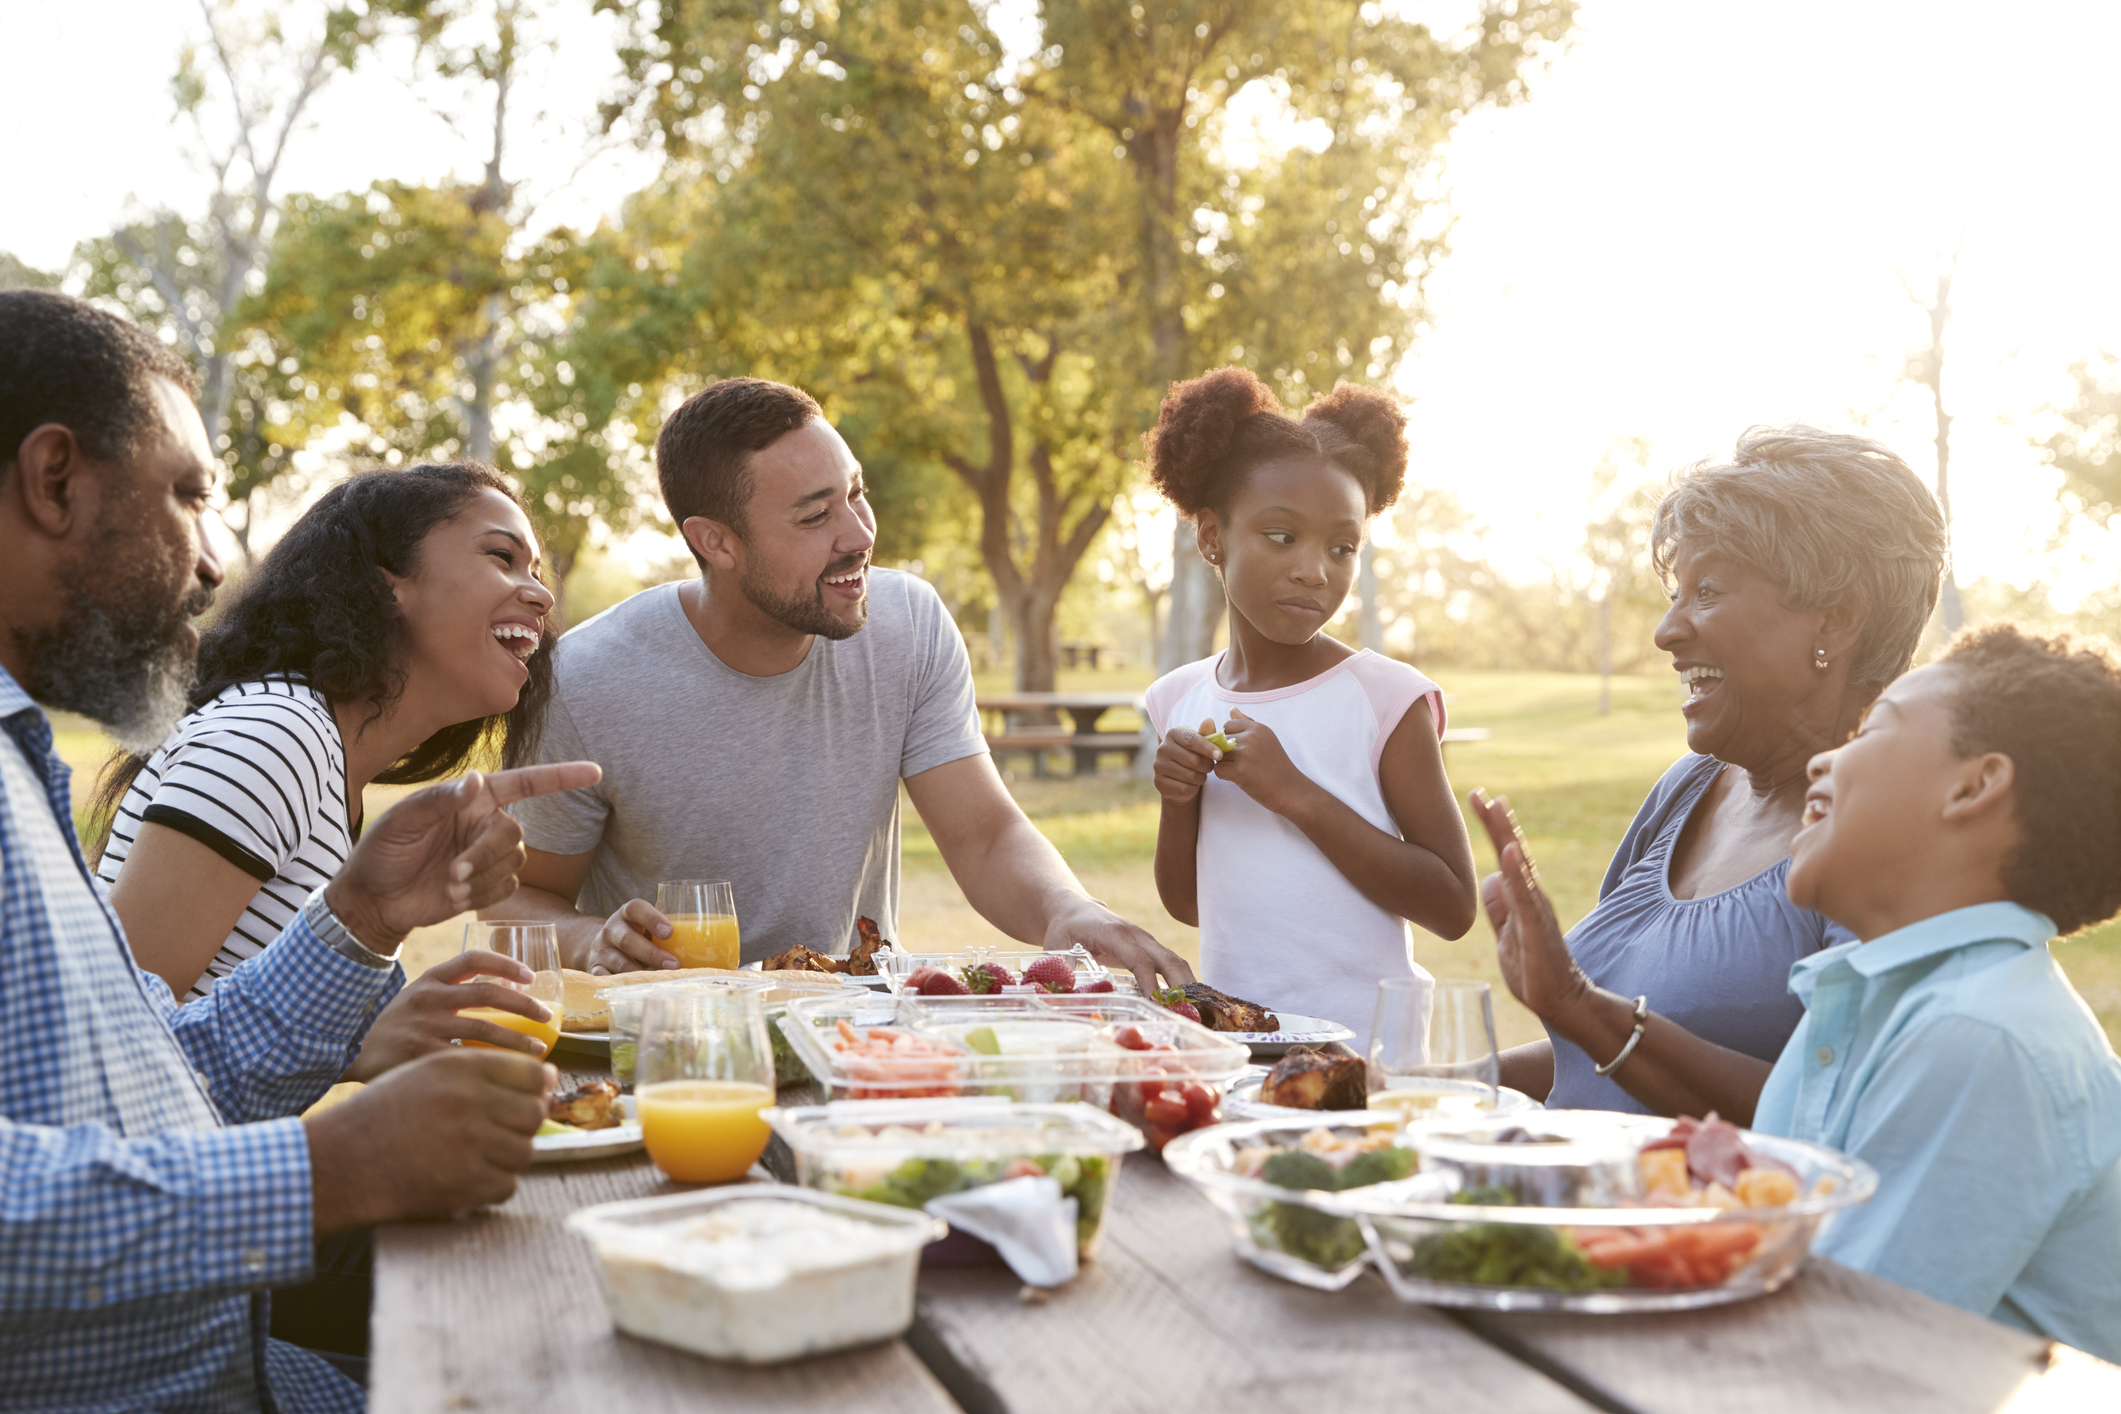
(395, 628)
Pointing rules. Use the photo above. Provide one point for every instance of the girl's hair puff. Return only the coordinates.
(1213, 430)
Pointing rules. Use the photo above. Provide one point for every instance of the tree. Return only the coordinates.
(1926, 367)
(908, 214)
(243, 101)
(1380, 91)
(18, 275)
(2086, 447)
(425, 314)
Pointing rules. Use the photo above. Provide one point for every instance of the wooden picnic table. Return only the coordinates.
(502, 1312)
(1085, 709)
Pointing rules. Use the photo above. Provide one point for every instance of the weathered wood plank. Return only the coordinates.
(1833, 1340)
(502, 1312)
(1169, 1319)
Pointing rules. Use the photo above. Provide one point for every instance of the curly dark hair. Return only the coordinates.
(1213, 430)
(63, 360)
(319, 609)
(704, 448)
(2053, 705)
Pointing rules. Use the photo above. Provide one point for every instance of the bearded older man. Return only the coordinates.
(154, 1182)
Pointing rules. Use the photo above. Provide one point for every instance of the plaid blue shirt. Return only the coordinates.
(153, 1179)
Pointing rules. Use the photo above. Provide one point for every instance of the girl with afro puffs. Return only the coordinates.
(1304, 847)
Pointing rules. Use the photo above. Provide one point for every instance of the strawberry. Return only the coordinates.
(934, 982)
(986, 978)
(1051, 974)
(1102, 984)
(1174, 1001)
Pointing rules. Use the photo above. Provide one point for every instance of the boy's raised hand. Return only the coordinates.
(1183, 760)
(1529, 947)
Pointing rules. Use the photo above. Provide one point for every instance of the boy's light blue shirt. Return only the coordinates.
(1954, 1057)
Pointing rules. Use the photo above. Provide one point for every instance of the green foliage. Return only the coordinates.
(992, 260)
(2087, 447)
(18, 275)
(417, 313)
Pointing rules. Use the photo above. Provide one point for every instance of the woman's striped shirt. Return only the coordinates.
(257, 775)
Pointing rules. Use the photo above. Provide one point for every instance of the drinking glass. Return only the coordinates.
(702, 914)
(1433, 1047)
(702, 1073)
(537, 947)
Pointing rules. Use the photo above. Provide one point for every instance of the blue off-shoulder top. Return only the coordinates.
(1718, 965)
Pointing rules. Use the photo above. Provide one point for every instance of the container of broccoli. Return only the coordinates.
(907, 1152)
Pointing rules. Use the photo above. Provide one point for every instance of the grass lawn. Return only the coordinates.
(1574, 777)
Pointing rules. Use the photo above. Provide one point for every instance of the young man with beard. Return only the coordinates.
(154, 1178)
(755, 723)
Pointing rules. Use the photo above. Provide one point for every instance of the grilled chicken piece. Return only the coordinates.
(862, 961)
(1317, 1079)
(591, 1106)
(802, 959)
(1222, 1012)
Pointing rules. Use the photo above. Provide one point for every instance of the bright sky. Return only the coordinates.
(1701, 221)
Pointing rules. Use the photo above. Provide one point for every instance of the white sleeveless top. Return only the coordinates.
(1280, 925)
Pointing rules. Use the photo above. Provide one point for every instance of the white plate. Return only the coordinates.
(1244, 1103)
(1295, 1031)
(591, 1143)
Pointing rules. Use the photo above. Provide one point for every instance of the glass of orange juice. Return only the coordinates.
(537, 947)
(702, 1073)
(702, 914)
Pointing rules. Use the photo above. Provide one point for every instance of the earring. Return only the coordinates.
(1819, 658)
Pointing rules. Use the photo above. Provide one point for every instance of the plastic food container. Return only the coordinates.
(895, 966)
(905, 1152)
(758, 1273)
(1308, 1237)
(1442, 1240)
(1110, 1050)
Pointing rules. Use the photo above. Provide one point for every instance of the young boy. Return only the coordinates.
(1975, 815)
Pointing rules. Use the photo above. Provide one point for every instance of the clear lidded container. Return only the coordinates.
(757, 1273)
(1115, 1051)
(906, 1152)
(1439, 1241)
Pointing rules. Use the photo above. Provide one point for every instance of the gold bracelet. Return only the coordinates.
(1642, 1018)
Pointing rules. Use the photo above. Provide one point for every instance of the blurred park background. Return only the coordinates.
(1587, 243)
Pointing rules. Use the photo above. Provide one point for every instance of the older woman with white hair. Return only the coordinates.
(1802, 574)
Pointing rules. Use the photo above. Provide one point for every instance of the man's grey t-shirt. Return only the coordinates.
(786, 786)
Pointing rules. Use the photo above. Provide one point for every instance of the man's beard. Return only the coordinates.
(123, 659)
(804, 614)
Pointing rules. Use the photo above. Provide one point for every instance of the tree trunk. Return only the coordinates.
(1370, 629)
(1196, 604)
(1932, 365)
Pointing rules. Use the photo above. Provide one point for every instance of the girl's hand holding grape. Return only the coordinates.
(1183, 761)
(1257, 764)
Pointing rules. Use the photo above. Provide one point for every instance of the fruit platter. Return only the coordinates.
(907, 1153)
(1543, 1210)
(1124, 1054)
